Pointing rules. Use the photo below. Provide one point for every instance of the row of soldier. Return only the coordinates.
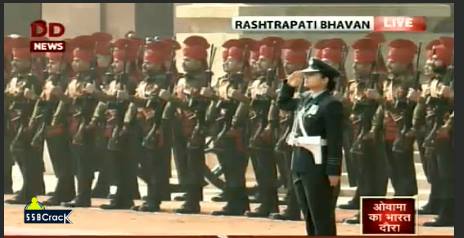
(120, 107)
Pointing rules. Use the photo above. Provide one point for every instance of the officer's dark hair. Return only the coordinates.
(331, 83)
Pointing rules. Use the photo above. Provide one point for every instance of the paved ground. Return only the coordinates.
(95, 221)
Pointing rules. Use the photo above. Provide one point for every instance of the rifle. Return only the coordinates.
(154, 102)
(230, 109)
(406, 108)
(366, 108)
(263, 103)
(199, 108)
(78, 138)
(20, 119)
(114, 140)
(440, 111)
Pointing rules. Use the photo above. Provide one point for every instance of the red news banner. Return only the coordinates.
(388, 216)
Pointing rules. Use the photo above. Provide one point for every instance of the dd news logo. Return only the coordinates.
(40, 28)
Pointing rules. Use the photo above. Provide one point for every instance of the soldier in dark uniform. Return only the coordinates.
(149, 133)
(261, 93)
(230, 140)
(45, 115)
(294, 57)
(420, 127)
(399, 90)
(111, 109)
(102, 67)
(7, 159)
(367, 118)
(439, 123)
(318, 114)
(39, 64)
(191, 101)
(23, 90)
(80, 104)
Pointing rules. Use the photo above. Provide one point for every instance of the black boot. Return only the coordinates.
(64, 191)
(237, 203)
(192, 203)
(118, 203)
(18, 199)
(446, 214)
(269, 204)
(429, 209)
(292, 213)
(100, 191)
(219, 198)
(83, 198)
(152, 200)
(353, 204)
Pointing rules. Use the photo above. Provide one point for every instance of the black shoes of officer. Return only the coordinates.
(147, 207)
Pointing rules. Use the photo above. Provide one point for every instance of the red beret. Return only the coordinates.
(172, 44)
(295, 50)
(444, 50)
(332, 50)
(156, 52)
(365, 50)
(318, 48)
(84, 48)
(402, 51)
(125, 49)
(233, 49)
(429, 47)
(196, 48)
(269, 47)
(20, 48)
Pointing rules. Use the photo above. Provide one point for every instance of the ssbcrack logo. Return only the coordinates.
(35, 212)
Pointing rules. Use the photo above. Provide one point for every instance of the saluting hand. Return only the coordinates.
(295, 78)
(334, 180)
